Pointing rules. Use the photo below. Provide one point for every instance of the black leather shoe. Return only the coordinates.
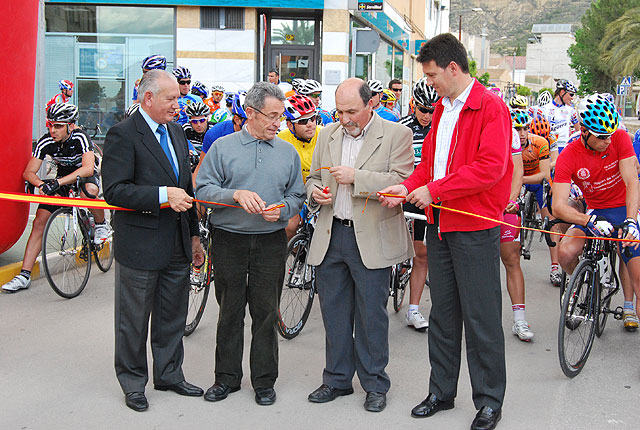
(486, 419)
(183, 388)
(325, 393)
(375, 402)
(430, 406)
(219, 391)
(265, 396)
(136, 401)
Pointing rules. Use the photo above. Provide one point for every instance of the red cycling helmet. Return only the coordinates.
(298, 106)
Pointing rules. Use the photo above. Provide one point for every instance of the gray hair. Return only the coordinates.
(258, 93)
(150, 82)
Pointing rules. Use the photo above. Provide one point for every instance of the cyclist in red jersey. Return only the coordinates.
(66, 92)
(602, 165)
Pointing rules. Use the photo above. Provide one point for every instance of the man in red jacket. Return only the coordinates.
(466, 165)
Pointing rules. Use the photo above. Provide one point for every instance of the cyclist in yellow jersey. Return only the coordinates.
(302, 133)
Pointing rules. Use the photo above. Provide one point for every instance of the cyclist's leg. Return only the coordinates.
(34, 243)
(629, 317)
(91, 184)
(418, 270)
(570, 248)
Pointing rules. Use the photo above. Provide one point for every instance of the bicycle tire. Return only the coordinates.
(66, 253)
(578, 319)
(601, 322)
(528, 221)
(399, 283)
(199, 286)
(298, 290)
(103, 252)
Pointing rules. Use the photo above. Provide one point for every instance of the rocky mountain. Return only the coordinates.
(513, 18)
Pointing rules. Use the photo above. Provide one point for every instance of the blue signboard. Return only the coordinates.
(290, 4)
(386, 26)
(418, 45)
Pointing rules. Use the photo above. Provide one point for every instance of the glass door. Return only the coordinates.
(293, 63)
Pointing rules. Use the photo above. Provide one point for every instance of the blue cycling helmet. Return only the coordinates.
(237, 107)
(200, 89)
(181, 72)
(154, 62)
(65, 85)
(520, 118)
(598, 115)
(228, 98)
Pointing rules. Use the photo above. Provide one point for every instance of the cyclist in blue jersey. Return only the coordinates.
(152, 62)
(229, 126)
(183, 75)
(313, 89)
(383, 112)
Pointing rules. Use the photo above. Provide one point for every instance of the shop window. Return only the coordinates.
(221, 18)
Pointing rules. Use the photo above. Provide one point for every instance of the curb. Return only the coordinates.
(9, 271)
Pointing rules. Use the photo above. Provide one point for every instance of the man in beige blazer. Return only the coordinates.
(354, 249)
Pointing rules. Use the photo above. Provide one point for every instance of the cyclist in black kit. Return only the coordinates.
(198, 123)
(424, 97)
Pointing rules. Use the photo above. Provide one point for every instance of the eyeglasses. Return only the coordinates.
(315, 96)
(217, 93)
(56, 125)
(271, 118)
(187, 82)
(571, 94)
(424, 109)
(600, 136)
(305, 121)
(197, 121)
(396, 90)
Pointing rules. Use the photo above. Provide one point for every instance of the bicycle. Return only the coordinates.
(401, 272)
(200, 277)
(586, 301)
(530, 219)
(299, 287)
(68, 244)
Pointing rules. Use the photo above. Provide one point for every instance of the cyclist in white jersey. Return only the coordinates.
(560, 113)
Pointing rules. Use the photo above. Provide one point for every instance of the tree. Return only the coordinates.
(620, 50)
(585, 54)
(484, 79)
(473, 68)
(523, 91)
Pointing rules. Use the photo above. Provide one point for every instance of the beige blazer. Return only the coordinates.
(386, 158)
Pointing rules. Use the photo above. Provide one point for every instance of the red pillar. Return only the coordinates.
(19, 23)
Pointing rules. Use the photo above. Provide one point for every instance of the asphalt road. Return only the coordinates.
(57, 372)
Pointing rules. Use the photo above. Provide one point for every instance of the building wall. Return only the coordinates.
(550, 58)
(223, 57)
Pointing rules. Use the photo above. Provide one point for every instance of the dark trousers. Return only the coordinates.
(464, 277)
(164, 295)
(353, 301)
(248, 268)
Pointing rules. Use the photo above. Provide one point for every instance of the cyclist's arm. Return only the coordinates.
(561, 208)
(31, 172)
(544, 172)
(517, 178)
(630, 177)
(84, 171)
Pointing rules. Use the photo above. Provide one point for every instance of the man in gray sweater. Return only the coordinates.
(261, 173)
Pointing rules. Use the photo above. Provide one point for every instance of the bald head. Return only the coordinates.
(354, 87)
(353, 105)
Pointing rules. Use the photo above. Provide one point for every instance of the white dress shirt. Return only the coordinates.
(444, 135)
(350, 149)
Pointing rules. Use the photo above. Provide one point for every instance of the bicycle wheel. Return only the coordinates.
(298, 289)
(66, 253)
(578, 319)
(602, 315)
(200, 284)
(400, 275)
(529, 220)
(103, 252)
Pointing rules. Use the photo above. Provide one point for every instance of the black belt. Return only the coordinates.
(344, 222)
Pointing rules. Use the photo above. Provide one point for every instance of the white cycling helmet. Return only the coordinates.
(375, 85)
(310, 86)
(544, 98)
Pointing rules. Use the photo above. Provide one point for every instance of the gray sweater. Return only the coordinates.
(239, 161)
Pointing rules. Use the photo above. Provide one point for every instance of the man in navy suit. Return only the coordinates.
(146, 165)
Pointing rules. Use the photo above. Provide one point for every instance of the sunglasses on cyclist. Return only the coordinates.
(305, 121)
(315, 96)
(186, 82)
(56, 125)
(396, 90)
(197, 121)
(217, 93)
(600, 136)
(571, 94)
(424, 109)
